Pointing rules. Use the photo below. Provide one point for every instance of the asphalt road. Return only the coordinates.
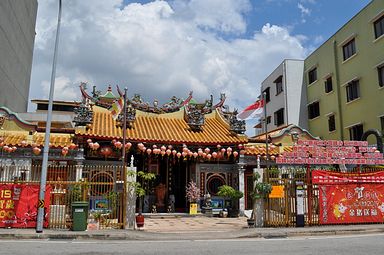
(348, 245)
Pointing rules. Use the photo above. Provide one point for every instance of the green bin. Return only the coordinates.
(79, 216)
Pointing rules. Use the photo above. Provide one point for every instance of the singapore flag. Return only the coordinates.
(252, 111)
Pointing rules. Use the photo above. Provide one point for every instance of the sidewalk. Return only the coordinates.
(192, 228)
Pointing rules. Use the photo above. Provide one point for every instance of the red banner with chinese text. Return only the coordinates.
(18, 205)
(332, 178)
(351, 203)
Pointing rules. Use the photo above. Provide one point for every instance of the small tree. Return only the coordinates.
(192, 192)
(234, 196)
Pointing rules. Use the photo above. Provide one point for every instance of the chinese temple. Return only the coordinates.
(179, 141)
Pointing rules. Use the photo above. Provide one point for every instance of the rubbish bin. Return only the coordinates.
(80, 216)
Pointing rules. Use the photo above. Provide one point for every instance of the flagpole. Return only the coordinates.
(266, 130)
(123, 152)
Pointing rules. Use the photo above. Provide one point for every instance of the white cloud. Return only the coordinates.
(158, 49)
(304, 11)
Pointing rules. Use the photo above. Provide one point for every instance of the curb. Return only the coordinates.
(133, 235)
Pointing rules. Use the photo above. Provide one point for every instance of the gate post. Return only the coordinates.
(130, 194)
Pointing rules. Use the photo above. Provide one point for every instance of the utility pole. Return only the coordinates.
(43, 180)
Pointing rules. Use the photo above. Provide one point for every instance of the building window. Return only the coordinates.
(279, 117)
(279, 85)
(313, 110)
(380, 71)
(353, 91)
(382, 124)
(331, 123)
(379, 27)
(349, 49)
(267, 95)
(356, 132)
(328, 85)
(312, 75)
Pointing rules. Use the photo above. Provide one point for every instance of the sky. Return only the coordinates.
(160, 49)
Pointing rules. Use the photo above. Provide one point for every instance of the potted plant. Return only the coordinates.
(260, 191)
(233, 195)
(192, 193)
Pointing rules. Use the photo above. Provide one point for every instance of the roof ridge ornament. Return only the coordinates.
(237, 126)
(83, 113)
(130, 117)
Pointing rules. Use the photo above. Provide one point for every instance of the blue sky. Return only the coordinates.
(164, 48)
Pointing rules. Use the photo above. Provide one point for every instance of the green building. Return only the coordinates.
(344, 78)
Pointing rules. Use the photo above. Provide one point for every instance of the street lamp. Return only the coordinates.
(43, 180)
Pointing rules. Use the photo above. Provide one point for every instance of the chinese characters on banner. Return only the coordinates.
(327, 152)
(18, 205)
(347, 199)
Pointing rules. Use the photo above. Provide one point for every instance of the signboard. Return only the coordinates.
(277, 191)
(351, 203)
(18, 205)
(320, 152)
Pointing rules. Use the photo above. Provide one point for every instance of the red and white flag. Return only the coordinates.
(252, 111)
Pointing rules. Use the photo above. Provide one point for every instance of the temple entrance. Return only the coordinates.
(178, 184)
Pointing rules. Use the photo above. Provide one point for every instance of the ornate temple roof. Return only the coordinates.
(17, 132)
(165, 128)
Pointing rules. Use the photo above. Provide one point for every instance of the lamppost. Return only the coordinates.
(41, 204)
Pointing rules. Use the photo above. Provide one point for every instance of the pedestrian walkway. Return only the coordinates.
(166, 224)
(185, 227)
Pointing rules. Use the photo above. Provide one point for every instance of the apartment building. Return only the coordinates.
(285, 96)
(344, 78)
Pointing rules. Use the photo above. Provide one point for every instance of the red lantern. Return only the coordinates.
(36, 150)
(207, 150)
(72, 146)
(95, 146)
(209, 156)
(163, 148)
(235, 153)
(214, 154)
(89, 140)
(168, 152)
(149, 151)
(128, 145)
(64, 151)
(118, 145)
(178, 154)
(106, 151)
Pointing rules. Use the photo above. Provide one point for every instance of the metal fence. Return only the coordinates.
(101, 186)
(281, 212)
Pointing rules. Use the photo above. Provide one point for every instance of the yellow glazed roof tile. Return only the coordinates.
(171, 128)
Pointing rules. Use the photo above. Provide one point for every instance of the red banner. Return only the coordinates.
(19, 203)
(351, 203)
(332, 178)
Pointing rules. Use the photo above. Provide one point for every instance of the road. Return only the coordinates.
(348, 245)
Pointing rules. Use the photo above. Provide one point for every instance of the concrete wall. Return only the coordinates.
(291, 97)
(17, 36)
(328, 59)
